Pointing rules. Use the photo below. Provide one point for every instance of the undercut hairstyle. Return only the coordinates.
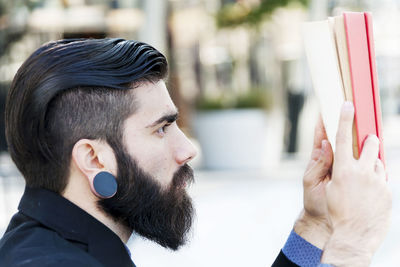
(69, 90)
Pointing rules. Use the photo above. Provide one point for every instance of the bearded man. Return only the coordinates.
(92, 128)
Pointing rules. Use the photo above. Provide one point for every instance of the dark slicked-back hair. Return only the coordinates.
(72, 89)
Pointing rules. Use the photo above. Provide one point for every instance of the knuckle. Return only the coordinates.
(346, 121)
(346, 117)
(342, 137)
(366, 172)
(315, 154)
(326, 165)
(341, 174)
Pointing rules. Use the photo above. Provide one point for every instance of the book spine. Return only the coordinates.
(361, 80)
(375, 87)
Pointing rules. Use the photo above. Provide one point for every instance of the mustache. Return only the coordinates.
(183, 175)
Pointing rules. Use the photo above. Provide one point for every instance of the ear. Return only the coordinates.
(92, 157)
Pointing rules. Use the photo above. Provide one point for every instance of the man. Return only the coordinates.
(92, 128)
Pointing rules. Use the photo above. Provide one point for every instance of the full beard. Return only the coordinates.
(163, 215)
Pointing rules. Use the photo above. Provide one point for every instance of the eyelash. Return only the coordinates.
(164, 129)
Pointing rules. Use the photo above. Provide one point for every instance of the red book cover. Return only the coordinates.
(360, 72)
(374, 76)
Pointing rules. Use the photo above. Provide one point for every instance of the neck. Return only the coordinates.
(78, 192)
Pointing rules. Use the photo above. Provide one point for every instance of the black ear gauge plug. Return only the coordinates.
(105, 185)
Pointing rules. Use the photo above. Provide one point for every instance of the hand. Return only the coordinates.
(358, 199)
(313, 224)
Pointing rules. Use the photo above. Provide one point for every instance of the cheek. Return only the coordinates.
(153, 162)
(158, 166)
(154, 157)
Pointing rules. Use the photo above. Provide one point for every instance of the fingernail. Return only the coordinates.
(348, 105)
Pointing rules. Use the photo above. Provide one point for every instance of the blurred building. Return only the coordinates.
(213, 65)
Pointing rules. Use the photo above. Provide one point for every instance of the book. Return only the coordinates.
(343, 55)
(341, 59)
(374, 76)
(325, 73)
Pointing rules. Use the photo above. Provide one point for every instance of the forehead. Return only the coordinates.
(152, 101)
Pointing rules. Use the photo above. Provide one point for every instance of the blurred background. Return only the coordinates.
(239, 77)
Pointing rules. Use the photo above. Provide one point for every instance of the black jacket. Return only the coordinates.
(49, 230)
(283, 261)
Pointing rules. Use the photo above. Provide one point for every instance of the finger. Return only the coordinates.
(319, 133)
(315, 154)
(380, 169)
(344, 135)
(327, 153)
(370, 151)
(322, 165)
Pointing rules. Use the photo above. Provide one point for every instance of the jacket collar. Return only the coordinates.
(73, 223)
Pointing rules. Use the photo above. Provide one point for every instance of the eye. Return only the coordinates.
(162, 130)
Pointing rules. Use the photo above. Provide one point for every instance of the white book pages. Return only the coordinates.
(320, 47)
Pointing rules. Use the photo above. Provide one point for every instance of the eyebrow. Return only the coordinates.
(170, 118)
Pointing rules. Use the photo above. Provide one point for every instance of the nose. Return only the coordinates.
(185, 150)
